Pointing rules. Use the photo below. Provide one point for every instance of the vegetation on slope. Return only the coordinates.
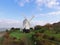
(41, 35)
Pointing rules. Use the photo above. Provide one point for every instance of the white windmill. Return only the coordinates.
(26, 23)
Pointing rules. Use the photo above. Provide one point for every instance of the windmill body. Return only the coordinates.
(26, 24)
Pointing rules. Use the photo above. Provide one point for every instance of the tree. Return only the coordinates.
(12, 28)
(6, 30)
(48, 26)
(37, 27)
(56, 27)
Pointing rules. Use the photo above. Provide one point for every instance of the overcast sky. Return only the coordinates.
(12, 11)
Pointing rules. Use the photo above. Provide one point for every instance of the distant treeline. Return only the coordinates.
(53, 27)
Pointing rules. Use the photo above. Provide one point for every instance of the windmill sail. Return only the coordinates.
(26, 22)
(32, 18)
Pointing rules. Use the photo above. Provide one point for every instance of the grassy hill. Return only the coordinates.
(35, 37)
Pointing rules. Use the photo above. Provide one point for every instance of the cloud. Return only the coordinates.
(22, 2)
(48, 3)
(54, 13)
(52, 3)
(40, 3)
(41, 22)
(8, 23)
(50, 17)
(38, 22)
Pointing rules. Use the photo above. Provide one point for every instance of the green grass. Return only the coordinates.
(20, 35)
(51, 33)
(1, 40)
(17, 35)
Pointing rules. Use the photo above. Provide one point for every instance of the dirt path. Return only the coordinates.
(2, 34)
(29, 41)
